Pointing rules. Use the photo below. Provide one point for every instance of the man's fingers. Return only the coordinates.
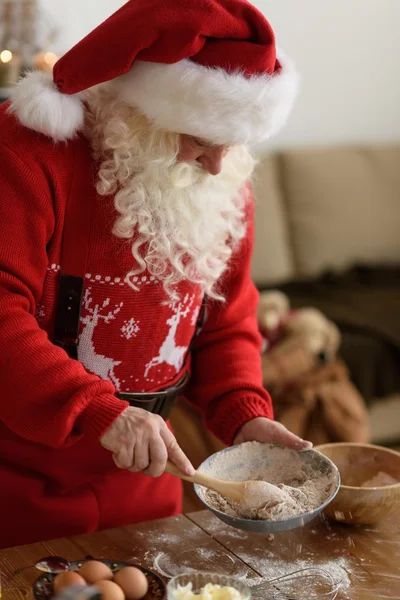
(276, 433)
(141, 457)
(158, 457)
(285, 437)
(123, 458)
(176, 454)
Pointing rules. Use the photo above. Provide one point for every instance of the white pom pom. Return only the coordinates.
(39, 105)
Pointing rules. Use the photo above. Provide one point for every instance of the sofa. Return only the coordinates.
(319, 214)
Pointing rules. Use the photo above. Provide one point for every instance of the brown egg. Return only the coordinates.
(109, 590)
(133, 582)
(94, 571)
(67, 580)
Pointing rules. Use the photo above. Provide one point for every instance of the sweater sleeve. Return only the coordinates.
(45, 396)
(226, 381)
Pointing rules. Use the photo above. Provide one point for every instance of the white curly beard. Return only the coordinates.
(184, 223)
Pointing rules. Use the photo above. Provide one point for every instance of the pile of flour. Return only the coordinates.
(380, 479)
(308, 484)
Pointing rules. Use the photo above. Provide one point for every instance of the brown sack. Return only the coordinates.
(323, 406)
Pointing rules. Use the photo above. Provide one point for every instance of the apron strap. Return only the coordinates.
(74, 251)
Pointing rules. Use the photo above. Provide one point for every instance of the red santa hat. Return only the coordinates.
(207, 68)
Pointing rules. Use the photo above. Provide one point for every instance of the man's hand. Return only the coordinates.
(141, 441)
(271, 432)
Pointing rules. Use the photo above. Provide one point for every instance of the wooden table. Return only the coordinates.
(367, 560)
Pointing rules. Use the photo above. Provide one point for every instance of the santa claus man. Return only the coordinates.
(125, 247)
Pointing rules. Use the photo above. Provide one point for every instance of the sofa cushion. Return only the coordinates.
(384, 418)
(272, 258)
(343, 206)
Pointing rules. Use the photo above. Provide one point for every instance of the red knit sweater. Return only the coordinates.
(55, 475)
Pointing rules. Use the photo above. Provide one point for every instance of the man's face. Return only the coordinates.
(210, 157)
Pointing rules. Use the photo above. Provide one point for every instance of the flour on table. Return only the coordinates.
(309, 580)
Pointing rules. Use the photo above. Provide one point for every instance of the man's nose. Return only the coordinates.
(211, 161)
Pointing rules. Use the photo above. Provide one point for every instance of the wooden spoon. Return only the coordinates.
(250, 494)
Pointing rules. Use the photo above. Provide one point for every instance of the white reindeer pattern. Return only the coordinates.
(98, 364)
(170, 353)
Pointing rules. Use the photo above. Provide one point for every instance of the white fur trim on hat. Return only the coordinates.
(40, 106)
(186, 97)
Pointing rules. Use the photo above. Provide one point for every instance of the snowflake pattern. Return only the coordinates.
(54, 268)
(40, 314)
(130, 329)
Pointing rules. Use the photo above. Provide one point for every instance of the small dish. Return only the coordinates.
(199, 560)
(43, 587)
(200, 580)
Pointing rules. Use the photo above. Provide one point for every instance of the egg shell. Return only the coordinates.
(133, 582)
(67, 580)
(110, 590)
(94, 571)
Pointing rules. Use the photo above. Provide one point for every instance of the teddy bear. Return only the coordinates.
(311, 388)
(295, 340)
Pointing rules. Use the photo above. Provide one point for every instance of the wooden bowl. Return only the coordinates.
(357, 464)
